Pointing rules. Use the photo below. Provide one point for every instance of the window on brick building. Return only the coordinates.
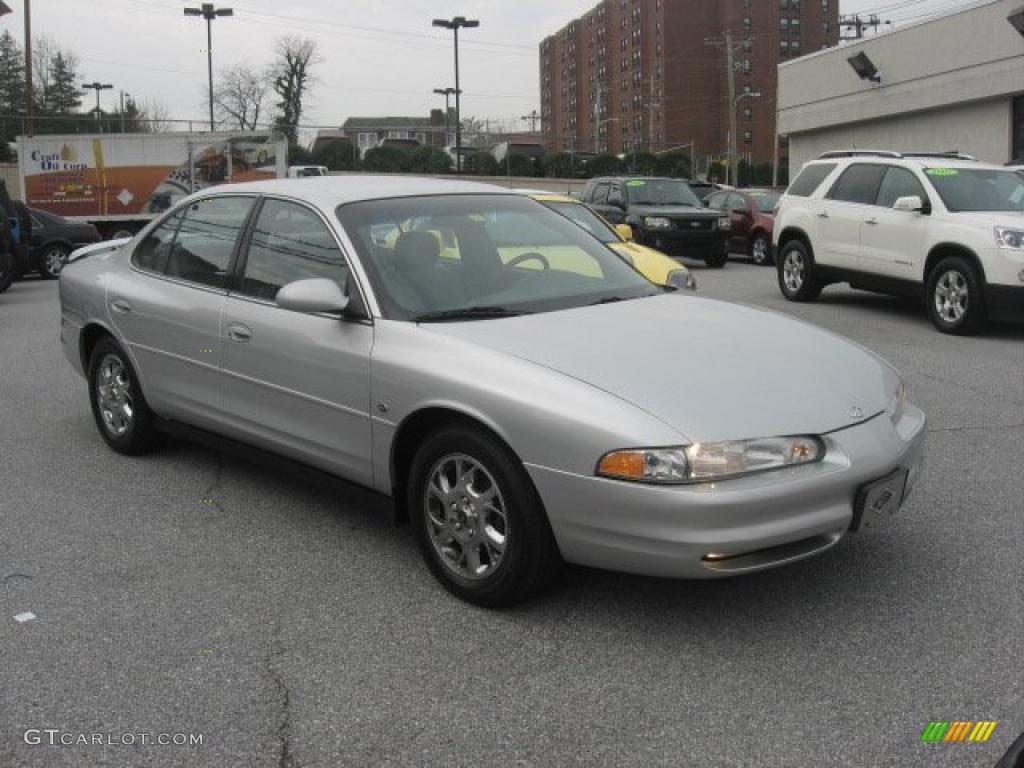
(748, 137)
(784, 25)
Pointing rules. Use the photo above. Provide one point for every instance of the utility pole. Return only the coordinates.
(455, 24)
(730, 65)
(856, 24)
(650, 119)
(209, 13)
(28, 68)
(597, 121)
(532, 119)
(97, 86)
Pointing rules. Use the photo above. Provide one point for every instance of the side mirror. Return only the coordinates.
(316, 294)
(681, 280)
(910, 204)
(624, 231)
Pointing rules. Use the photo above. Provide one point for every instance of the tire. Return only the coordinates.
(6, 270)
(761, 250)
(51, 260)
(131, 432)
(955, 297)
(452, 530)
(795, 267)
(117, 233)
(717, 260)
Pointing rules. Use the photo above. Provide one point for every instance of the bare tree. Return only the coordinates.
(153, 117)
(238, 96)
(291, 78)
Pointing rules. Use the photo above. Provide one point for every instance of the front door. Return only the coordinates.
(296, 383)
(893, 242)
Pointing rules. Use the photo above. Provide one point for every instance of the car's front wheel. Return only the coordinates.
(956, 304)
(124, 419)
(761, 250)
(717, 260)
(478, 519)
(52, 259)
(797, 280)
(6, 269)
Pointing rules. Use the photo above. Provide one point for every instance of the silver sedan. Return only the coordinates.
(523, 396)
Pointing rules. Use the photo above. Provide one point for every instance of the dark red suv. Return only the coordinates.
(751, 211)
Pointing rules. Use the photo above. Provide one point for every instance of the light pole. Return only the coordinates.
(208, 12)
(455, 24)
(446, 92)
(730, 171)
(97, 86)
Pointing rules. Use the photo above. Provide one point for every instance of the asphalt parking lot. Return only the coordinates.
(192, 592)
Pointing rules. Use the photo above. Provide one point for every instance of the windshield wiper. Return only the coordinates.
(468, 313)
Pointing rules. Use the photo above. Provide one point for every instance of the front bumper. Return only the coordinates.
(698, 245)
(733, 526)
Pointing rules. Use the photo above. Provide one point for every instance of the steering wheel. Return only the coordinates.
(527, 257)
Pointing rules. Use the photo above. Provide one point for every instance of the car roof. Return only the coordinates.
(543, 196)
(331, 191)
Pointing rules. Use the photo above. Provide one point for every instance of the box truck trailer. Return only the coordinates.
(119, 181)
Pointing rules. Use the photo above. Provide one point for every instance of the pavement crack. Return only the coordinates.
(285, 758)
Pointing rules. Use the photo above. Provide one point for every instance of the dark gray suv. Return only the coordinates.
(664, 214)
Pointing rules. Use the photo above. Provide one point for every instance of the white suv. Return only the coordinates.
(942, 227)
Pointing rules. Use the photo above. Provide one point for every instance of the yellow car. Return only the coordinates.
(652, 264)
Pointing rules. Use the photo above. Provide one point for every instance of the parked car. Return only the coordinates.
(305, 171)
(704, 188)
(6, 269)
(518, 417)
(753, 218)
(53, 239)
(663, 214)
(652, 264)
(939, 227)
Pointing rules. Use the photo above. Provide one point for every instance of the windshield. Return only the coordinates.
(587, 219)
(977, 189)
(766, 201)
(660, 192)
(479, 256)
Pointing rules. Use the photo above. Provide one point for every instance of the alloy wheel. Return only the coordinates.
(793, 270)
(114, 395)
(951, 296)
(53, 260)
(467, 519)
(759, 250)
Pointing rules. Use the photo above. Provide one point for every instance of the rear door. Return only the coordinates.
(168, 306)
(893, 242)
(842, 213)
(599, 201)
(293, 382)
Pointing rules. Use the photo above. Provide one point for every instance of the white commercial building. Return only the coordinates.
(950, 83)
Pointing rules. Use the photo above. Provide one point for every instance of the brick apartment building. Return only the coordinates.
(642, 74)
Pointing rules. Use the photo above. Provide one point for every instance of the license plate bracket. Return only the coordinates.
(879, 501)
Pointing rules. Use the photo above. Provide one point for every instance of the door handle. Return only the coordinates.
(120, 306)
(823, 215)
(238, 332)
(871, 221)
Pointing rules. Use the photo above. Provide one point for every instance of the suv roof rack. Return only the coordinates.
(858, 153)
(950, 155)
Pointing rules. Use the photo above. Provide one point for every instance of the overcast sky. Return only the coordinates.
(378, 56)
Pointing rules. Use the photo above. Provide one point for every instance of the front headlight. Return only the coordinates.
(705, 462)
(898, 402)
(657, 222)
(681, 278)
(1011, 239)
(725, 223)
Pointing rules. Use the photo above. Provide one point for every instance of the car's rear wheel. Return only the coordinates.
(797, 280)
(761, 250)
(479, 522)
(956, 302)
(51, 260)
(124, 419)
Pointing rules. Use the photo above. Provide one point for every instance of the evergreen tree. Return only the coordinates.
(12, 75)
(63, 96)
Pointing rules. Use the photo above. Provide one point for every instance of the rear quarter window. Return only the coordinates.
(810, 179)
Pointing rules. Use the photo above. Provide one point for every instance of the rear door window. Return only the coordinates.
(601, 194)
(859, 184)
(810, 179)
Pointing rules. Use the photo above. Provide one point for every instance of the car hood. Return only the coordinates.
(997, 219)
(709, 369)
(673, 210)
